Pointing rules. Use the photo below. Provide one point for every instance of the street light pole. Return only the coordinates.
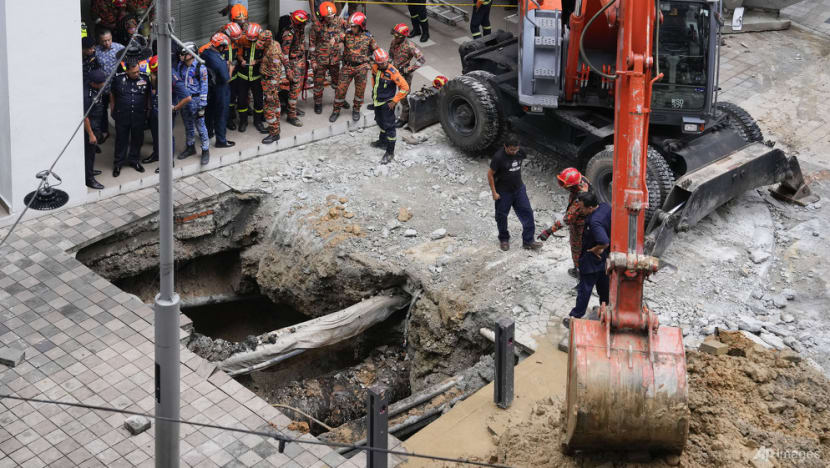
(166, 317)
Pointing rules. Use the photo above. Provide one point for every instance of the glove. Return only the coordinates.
(545, 234)
(201, 112)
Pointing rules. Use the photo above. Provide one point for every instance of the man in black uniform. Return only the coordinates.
(94, 81)
(129, 104)
(505, 177)
(420, 22)
(88, 60)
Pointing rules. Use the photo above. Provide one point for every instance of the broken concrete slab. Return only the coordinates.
(755, 339)
(713, 347)
(11, 357)
(756, 21)
(136, 424)
(773, 340)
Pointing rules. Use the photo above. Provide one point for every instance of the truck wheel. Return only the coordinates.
(659, 179)
(740, 120)
(487, 79)
(469, 114)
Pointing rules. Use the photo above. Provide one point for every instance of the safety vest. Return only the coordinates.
(250, 76)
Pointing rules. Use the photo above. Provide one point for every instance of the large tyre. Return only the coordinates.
(488, 80)
(469, 114)
(659, 179)
(740, 120)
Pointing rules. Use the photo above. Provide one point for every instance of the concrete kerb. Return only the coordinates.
(179, 171)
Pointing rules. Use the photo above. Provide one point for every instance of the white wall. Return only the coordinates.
(43, 80)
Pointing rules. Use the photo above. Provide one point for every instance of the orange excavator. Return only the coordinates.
(627, 90)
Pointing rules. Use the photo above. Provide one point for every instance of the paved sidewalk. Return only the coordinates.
(812, 14)
(87, 341)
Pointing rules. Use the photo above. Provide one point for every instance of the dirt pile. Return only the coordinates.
(750, 407)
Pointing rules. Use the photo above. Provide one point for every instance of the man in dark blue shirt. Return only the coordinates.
(505, 178)
(596, 238)
(129, 104)
(219, 93)
(94, 81)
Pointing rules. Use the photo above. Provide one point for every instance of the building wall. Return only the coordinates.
(5, 142)
(44, 104)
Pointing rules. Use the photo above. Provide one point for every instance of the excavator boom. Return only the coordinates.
(626, 374)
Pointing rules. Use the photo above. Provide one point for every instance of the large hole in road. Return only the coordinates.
(235, 307)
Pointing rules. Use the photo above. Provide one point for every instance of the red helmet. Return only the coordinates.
(439, 81)
(299, 17)
(327, 9)
(401, 29)
(569, 177)
(220, 39)
(380, 55)
(239, 13)
(357, 19)
(119, 3)
(252, 32)
(233, 31)
(154, 63)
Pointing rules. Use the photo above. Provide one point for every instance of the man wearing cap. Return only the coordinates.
(94, 82)
(575, 183)
(195, 78)
(406, 58)
(388, 88)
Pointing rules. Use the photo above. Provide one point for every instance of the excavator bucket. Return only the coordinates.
(626, 392)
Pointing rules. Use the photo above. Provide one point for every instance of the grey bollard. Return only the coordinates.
(503, 384)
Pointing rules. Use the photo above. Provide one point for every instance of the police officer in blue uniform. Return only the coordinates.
(195, 76)
(94, 81)
(129, 105)
(595, 243)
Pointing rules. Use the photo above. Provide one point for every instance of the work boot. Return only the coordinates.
(231, 123)
(205, 157)
(378, 144)
(532, 246)
(243, 122)
(416, 29)
(295, 121)
(425, 31)
(318, 108)
(355, 115)
(399, 123)
(270, 139)
(346, 105)
(259, 125)
(300, 113)
(334, 115)
(504, 246)
(189, 151)
(387, 157)
(573, 272)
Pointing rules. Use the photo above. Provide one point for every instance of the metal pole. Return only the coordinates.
(166, 317)
(503, 386)
(378, 430)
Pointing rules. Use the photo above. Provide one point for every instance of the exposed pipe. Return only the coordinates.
(216, 299)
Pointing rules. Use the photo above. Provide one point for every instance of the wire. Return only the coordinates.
(279, 437)
(81, 124)
(582, 49)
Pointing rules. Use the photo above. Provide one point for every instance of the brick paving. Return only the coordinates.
(87, 341)
(812, 14)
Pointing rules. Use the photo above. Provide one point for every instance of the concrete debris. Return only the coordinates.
(11, 357)
(779, 301)
(713, 347)
(438, 234)
(404, 214)
(759, 256)
(749, 324)
(136, 424)
(773, 340)
(410, 233)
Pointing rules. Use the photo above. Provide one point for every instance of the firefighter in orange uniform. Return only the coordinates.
(294, 47)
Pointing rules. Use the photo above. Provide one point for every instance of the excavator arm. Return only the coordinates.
(626, 374)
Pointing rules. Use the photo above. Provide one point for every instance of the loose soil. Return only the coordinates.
(752, 407)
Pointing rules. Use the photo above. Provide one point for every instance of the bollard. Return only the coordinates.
(378, 417)
(503, 384)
